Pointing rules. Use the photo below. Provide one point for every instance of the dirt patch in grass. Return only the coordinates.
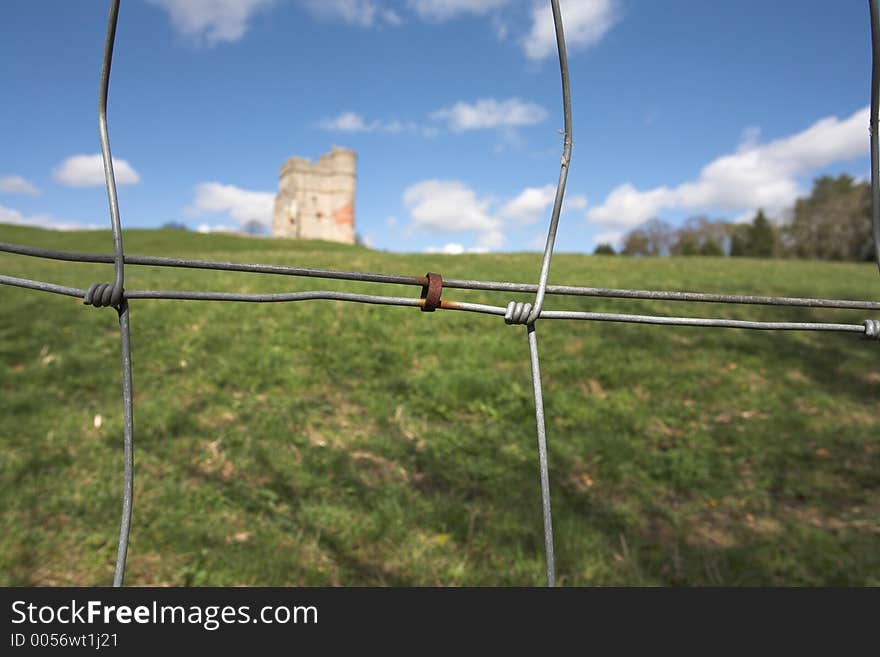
(378, 469)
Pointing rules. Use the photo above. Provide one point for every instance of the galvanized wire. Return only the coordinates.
(106, 294)
(128, 444)
(486, 309)
(542, 289)
(109, 177)
(113, 296)
(455, 283)
(874, 13)
(542, 455)
(538, 304)
(565, 162)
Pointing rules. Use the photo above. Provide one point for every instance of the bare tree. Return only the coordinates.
(652, 238)
(701, 236)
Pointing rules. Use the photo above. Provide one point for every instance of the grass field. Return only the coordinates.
(323, 443)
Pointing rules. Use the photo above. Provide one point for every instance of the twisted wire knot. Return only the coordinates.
(517, 313)
(872, 329)
(102, 295)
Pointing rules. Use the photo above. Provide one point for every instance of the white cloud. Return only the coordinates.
(537, 242)
(750, 136)
(454, 248)
(534, 203)
(88, 171)
(755, 176)
(574, 202)
(354, 122)
(11, 216)
(585, 23)
(362, 13)
(216, 228)
(17, 185)
(483, 114)
(490, 113)
(450, 206)
(394, 127)
(346, 122)
(369, 13)
(626, 206)
(240, 204)
(530, 205)
(441, 10)
(212, 21)
(746, 217)
(611, 237)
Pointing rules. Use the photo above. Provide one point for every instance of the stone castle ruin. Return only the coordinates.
(316, 201)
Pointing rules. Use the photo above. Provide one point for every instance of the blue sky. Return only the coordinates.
(453, 106)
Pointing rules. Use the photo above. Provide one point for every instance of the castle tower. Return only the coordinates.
(316, 201)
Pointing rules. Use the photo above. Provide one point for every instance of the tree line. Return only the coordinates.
(832, 223)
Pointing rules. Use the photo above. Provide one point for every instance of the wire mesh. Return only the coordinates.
(114, 295)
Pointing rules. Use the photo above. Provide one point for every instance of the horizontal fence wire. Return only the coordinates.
(332, 295)
(453, 283)
(116, 296)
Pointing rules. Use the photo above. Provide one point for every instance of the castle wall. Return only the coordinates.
(316, 201)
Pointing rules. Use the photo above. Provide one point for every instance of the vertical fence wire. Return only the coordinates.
(128, 446)
(107, 295)
(530, 317)
(109, 178)
(565, 161)
(550, 558)
(874, 13)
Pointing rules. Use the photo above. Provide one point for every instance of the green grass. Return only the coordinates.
(324, 443)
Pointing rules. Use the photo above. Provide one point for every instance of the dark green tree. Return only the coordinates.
(762, 237)
(686, 244)
(833, 222)
(755, 240)
(174, 225)
(254, 227)
(604, 249)
(739, 240)
(711, 248)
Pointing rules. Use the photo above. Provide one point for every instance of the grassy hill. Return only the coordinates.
(330, 443)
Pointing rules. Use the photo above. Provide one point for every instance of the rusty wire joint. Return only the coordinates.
(431, 291)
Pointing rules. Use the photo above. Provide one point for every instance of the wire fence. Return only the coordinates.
(432, 285)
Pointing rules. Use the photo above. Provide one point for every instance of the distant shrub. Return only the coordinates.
(174, 225)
